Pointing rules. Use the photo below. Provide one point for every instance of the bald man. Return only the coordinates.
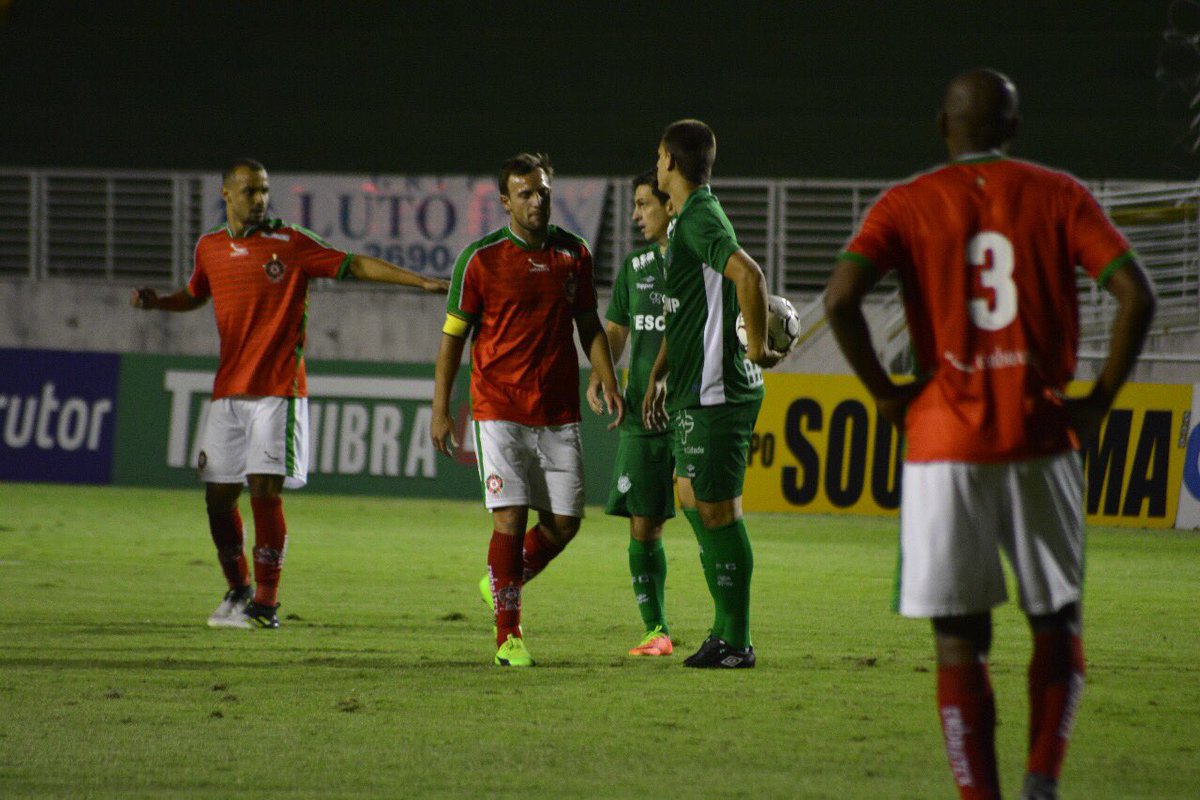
(986, 249)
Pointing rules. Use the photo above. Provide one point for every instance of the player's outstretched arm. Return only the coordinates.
(847, 287)
(1135, 309)
(751, 286)
(595, 344)
(368, 268)
(182, 300)
(617, 336)
(448, 358)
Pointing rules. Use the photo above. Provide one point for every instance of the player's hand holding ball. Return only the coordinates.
(783, 332)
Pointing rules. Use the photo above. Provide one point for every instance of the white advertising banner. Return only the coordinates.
(1188, 515)
(417, 222)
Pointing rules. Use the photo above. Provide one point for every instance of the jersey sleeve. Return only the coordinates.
(316, 257)
(709, 235)
(585, 289)
(465, 299)
(197, 285)
(1096, 244)
(618, 305)
(878, 240)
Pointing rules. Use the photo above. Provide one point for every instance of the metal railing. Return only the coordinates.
(142, 226)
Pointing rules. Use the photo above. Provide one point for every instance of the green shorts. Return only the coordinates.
(710, 447)
(642, 483)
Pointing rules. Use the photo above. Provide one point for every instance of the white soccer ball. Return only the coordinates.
(783, 325)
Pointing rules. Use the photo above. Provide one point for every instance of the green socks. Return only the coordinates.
(704, 538)
(648, 567)
(733, 564)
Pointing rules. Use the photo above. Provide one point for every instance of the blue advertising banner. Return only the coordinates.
(57, 415)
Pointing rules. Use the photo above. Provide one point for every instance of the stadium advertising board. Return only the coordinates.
(419, 222)
(57, 415)
(819, 446)
(1189, 489)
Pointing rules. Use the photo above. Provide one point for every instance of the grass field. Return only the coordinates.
(380, 683)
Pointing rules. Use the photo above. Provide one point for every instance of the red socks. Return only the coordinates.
(1055, 685)
(967, 709)
(227, 535)
(270, 537)
(504, 577)
(539, 551)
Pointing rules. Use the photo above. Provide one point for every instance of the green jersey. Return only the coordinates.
(706, 363)
(637, 303)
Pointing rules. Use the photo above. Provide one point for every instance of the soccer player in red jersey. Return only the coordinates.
(257, 270)
(521, 292)
(986, 249)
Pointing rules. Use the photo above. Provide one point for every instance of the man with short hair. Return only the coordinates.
(521, 292)
(986, 249)
(257, 270)
(714, 387)
(642, 488)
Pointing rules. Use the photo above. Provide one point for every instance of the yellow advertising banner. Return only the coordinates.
(820, 447)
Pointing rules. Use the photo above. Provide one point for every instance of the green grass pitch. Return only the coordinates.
(380, 683)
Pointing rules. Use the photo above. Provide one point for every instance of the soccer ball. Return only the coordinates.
(783, 325)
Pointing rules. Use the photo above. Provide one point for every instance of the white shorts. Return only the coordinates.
(255, 436)
(955, 518)
(537, 467)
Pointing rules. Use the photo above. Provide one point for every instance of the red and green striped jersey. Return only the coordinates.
(522, 303)
(259, 286)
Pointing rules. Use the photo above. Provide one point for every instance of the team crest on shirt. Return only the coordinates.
(494, 484)
(624, 484)
(274, 269)
(569, 287)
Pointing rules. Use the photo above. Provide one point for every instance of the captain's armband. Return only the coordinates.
(456, 326)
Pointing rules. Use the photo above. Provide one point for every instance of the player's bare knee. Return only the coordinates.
(1065, 619)
(510, 520)
(961, 639)
(221, 497)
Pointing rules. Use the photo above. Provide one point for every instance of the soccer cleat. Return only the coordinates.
(655, 643)
(717, 654)
(485, 590)
(513, 653)
(260, 615)
(1039, 787)
(229, 613)
(705, 646)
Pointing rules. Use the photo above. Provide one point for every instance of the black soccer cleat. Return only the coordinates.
(260, 615)
(717, 654)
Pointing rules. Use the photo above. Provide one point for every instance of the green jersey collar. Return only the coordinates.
(524, 245)
(269, 224)
(706, 189)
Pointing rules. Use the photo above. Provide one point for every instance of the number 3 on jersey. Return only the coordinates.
(996, 275)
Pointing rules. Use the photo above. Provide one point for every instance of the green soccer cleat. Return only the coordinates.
(485, 590)
(513, 653)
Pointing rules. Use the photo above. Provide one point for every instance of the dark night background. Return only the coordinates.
(793, 89)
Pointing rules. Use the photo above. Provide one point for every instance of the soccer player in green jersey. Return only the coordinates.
(642, 488)
(714, 387)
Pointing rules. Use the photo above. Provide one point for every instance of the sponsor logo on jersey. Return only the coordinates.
(649, 322)
(238, 251)
(274, 269)
(494, 485)
(684, 424)
(647, 283)
(643, 261)
(536, 267)
(283, 237)
(670, 304)
(624, 484)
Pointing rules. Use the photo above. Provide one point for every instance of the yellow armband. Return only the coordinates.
(456, 326)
